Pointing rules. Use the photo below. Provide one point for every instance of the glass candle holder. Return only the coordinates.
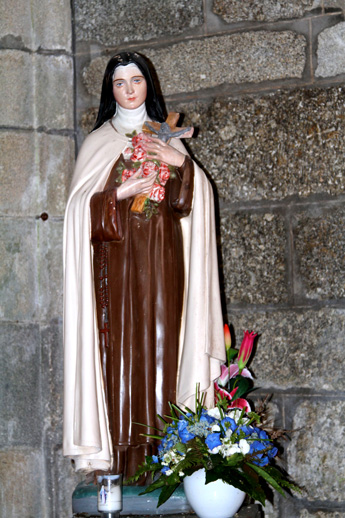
(109, 494)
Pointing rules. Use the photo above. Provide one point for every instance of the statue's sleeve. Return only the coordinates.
(105, 219)
(182, 199)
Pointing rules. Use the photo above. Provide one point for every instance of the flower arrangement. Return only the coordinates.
(143, 165)
(228, 441)
(235, 379)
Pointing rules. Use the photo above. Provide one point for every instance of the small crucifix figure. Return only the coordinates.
(167, 130)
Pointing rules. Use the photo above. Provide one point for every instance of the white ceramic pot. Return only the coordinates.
(214, 500)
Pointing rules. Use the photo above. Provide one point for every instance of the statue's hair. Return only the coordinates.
(154, 103)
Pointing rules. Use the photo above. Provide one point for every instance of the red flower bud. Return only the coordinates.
(245, 349)
(227, 337)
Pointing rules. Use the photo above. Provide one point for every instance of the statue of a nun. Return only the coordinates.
(142, 313)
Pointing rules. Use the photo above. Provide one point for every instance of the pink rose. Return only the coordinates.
(164, 174)
(149, 167)
(127, 153)
(137, 139)
(157, 193)
(139, 154)
(127, 173)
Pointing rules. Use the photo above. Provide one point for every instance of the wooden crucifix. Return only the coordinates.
(168, 129)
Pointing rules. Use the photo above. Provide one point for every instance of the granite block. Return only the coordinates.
(17, 88)
(237, 58)
(50, 273)
(233, 11)
(334, 4)
(54, 91)
(88, 120)
(35, 80)
(21, 413)
(64, 481)
(22, 484)
(52, 24)
(234, 58)
(303, 349)
(18, 269)
(37, 24)
(19, 189)
(270, 510)
(52, 381)
(253, 257)
(56, 165)
(16, 23)
(320, 247)
(92, 75)
(113, 22)
(314, 461)
(35, 173)
(331, 51)
(274, 146)
(304, 513)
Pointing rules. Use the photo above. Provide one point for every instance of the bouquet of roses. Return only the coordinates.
(142, 162)
(228, 442)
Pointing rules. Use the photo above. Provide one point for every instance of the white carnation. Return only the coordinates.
(244, 446)
(214, 412)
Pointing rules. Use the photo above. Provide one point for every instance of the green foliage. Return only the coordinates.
(150, 208)
(231, 354)
(244, 386)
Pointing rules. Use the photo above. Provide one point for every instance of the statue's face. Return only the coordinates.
(129, 87)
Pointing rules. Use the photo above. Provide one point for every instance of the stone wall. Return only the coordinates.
(263, 82)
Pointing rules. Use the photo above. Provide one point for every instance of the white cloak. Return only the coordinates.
(201, 349)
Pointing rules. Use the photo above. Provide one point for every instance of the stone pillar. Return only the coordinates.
(37, 153)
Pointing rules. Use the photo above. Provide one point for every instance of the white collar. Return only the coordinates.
(125, 121)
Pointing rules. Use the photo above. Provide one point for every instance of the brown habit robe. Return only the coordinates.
(138, 275)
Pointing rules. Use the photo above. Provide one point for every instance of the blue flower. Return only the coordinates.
(261, 433)
(213, 440)
(205, 417)
(228, 422)
(165, 469)
(257, 446)
(272, 452)
(184, 433)
(260, 458)
(248, 430)
(166, 444)
(155, 459)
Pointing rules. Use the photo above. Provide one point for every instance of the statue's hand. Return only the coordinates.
(163, 152)
(134, 185)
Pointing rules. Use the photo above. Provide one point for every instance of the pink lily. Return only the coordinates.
(224, 393)
(224, 375)
(238, 403)
(245, 349)
(241, 404)
(234, 371)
